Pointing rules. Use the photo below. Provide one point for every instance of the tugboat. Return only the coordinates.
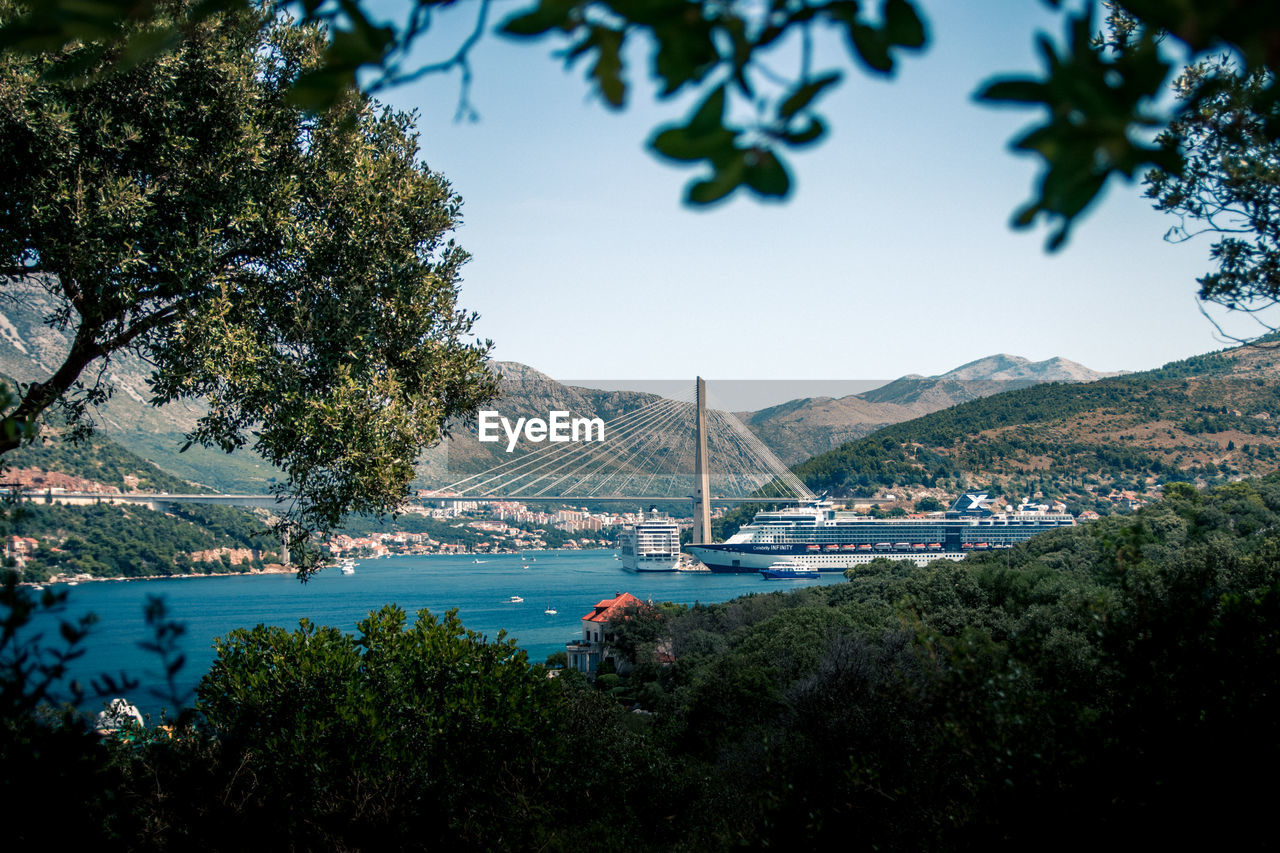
(789, 569)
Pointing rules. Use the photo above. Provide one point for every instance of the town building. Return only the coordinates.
(586, 654)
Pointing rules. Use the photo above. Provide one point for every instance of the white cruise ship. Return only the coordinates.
(830, 541)
(650, 545)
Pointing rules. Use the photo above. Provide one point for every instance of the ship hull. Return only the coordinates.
(651, 564)
(788, 575)
(747, 558)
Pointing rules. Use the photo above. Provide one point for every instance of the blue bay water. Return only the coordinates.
(570, 582)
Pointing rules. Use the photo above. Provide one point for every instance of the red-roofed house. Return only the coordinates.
(586, 654)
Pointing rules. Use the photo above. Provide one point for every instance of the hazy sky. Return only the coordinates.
(893, 256)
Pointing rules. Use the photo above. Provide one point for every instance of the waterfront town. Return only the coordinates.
(486, 527)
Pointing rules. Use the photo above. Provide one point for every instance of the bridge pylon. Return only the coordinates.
(702, 501)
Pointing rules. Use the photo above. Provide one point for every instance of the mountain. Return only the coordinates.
(799, 429)
(523, 393)
(1003, 366)
(802, 428)
(32, 349)
(1205, 419)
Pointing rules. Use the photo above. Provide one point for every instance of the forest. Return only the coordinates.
(1117, 679)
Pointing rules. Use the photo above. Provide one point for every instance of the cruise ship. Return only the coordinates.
(651, 544)
(832, 541)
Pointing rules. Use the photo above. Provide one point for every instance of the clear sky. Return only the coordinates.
(893, 255)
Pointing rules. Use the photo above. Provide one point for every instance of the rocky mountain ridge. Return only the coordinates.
(31, 348)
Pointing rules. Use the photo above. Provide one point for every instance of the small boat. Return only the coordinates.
(550, 611)
(348, 567)
(478, 560)
(788, 569)
(515, 599)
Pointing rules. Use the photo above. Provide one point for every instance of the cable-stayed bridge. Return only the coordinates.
(670, 449)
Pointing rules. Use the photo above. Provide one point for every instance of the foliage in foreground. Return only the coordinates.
(1120, 678)
(401, 736)
(1116, 680)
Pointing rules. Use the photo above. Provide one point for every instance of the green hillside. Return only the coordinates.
(111, 540)
(1207, 418)
(98, 459)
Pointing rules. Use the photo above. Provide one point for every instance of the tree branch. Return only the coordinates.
(85, 349)
(17, 425)
(461, 59)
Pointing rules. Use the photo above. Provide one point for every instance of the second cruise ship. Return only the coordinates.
(828, 540)
(651, 544)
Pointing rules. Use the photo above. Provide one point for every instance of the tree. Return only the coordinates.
(293, 270)
(1229, 185)
(400, 737)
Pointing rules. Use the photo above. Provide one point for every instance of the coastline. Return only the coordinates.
(280, 569)
(64, 580)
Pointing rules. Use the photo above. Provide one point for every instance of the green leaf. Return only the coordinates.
(1019, 90)
(765, 174)
(676, 143)
(607, 70)
(685, 53)
(317, 91)
(804, 95)
(902, 25)
(871, 46)
(707, 192)
(709, 116)
(810, 134)
(1024, 216)
(728, 177)
(548, 15)
(350, 49)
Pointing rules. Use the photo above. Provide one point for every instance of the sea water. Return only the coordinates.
(568, 582)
